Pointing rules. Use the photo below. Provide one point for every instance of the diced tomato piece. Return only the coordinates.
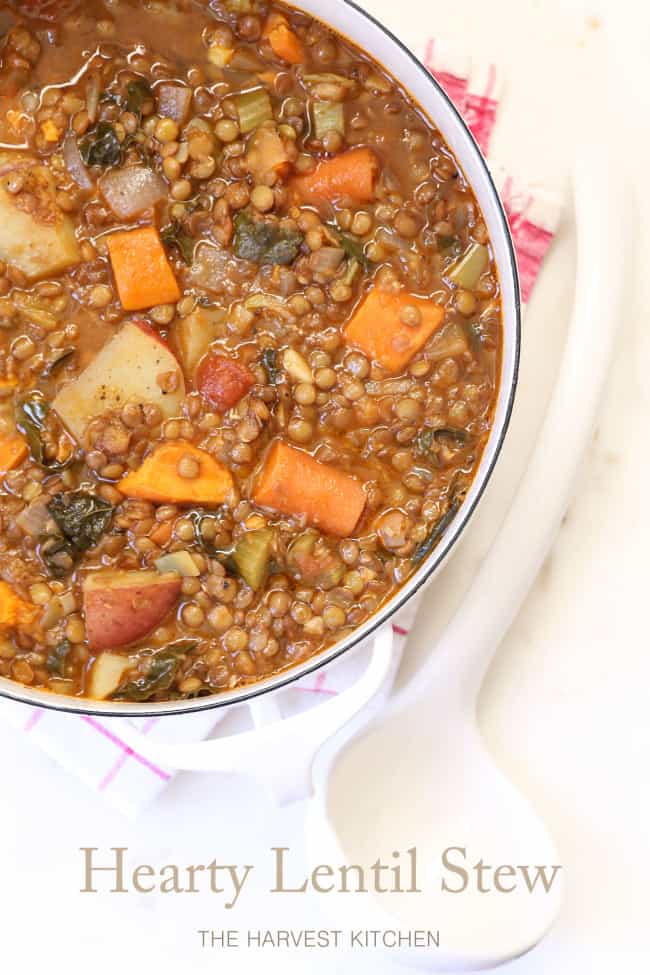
(223, 381)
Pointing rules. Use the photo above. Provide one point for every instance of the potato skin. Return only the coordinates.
(123, 607)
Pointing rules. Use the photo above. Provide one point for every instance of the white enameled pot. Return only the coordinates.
(364, 31)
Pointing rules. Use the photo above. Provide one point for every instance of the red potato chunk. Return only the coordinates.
(125, 370)
(123, 607)
(222, 381)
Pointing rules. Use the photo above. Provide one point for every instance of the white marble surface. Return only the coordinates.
(565, 707)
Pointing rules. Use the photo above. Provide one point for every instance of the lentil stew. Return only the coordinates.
(250, 343)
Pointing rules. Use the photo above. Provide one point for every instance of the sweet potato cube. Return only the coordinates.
(159, 478)
(377, 329)
(14, 611)
(12, 453)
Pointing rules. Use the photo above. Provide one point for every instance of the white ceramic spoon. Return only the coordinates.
(421, 776)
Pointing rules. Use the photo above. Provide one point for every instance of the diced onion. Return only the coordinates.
(389, 387)
(326, 260)
(327, 78)
(450, 341)
(392, 240)
(75, 164)
(130, 191)
(297, 367)
(92, 98)
(270, 303)
(215, 268)
(266, 152)
(33, 519)
(174, 101)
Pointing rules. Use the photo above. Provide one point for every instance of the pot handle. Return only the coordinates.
(279, 751)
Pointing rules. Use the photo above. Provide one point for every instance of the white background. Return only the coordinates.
(565, 708)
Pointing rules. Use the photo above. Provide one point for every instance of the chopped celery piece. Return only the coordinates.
(327, 117)
(253, 108)
(466, 271)
(252, 555)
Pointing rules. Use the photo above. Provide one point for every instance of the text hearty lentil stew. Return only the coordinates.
(250, 336)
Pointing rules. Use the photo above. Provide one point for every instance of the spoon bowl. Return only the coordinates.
(474, 834)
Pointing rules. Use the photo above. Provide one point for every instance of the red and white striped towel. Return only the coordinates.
(534, 212)
(93, 748)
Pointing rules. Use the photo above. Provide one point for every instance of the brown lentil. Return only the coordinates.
(188, 467)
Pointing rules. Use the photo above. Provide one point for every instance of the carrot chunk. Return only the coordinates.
(14, 611)
(162, 533)
(352, 175)
(285, 44)
(378, 330)
(142, 272)
(294, 483)
(12, 453)
(163, 478)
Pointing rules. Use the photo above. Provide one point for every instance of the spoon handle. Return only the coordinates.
(468, 644)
